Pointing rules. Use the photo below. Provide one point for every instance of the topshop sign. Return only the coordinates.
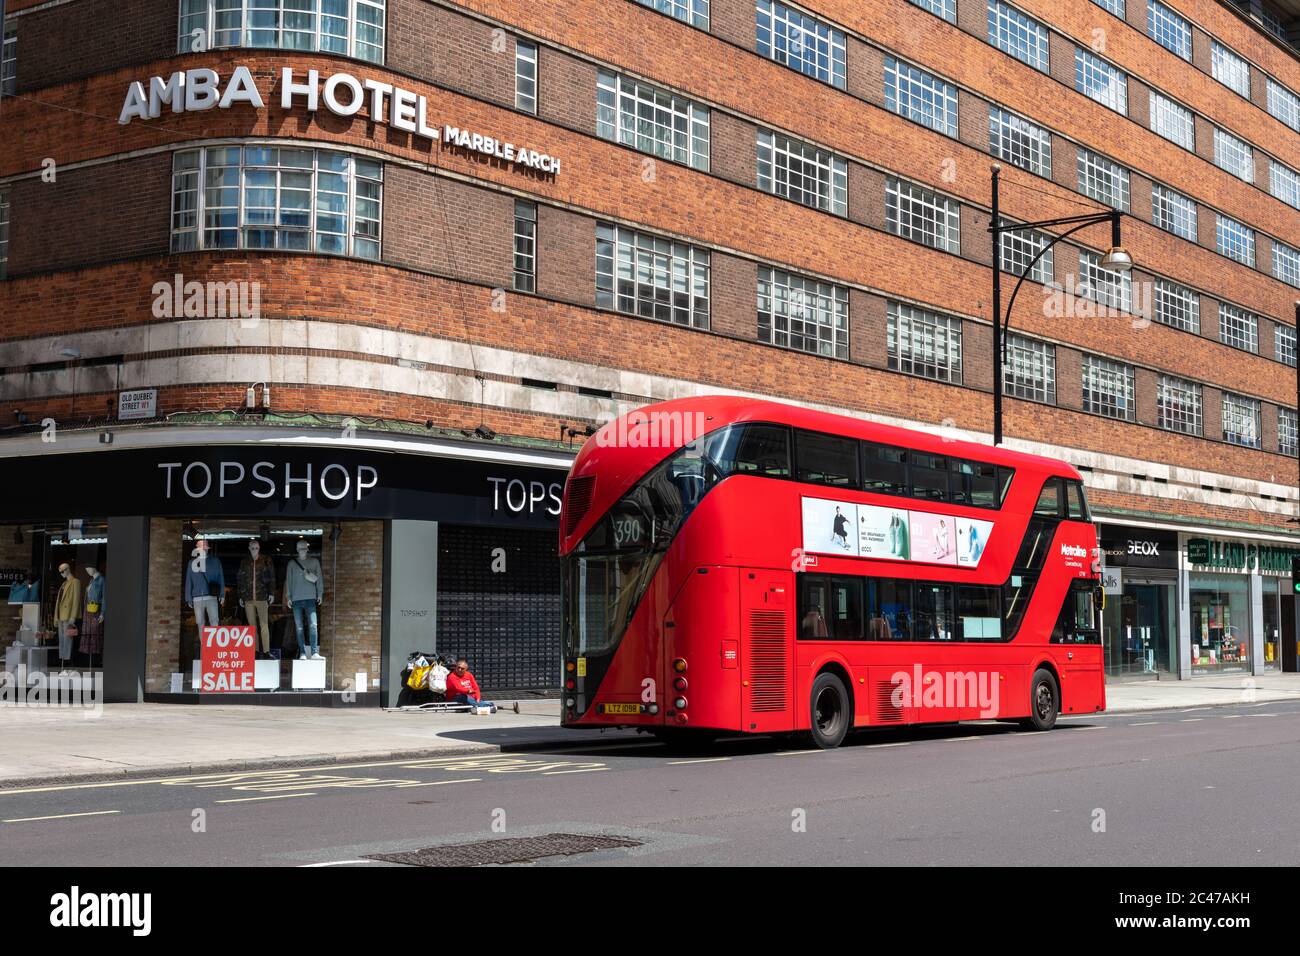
(191, 91)
(198, 480)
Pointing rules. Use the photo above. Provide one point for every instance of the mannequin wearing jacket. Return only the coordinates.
(304, 587)
(67, 609)
(92, 628)
(256, 582)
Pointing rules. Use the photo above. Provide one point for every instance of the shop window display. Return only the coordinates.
(1220, 619)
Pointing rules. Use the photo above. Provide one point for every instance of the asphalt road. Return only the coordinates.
(1204, 786)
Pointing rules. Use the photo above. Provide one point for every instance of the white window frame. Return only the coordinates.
(1234, 155)
(1230, 69)
(1169, 29)
(9, 62)
(807, 44)
(922, 215)
(1017, 141)
(803, 314)
(1284, 183)
(1238, 328)
(1241, 420)
(1173, 212)
(802, 173)
(1100, 81)
(1030, 369)
(526, 76)
(653, 277)
(4, 233)
(1113, 6)
(1173, 121)
(920, 96)
(924, 343)
(1177, 305)
(1283, 104)
(1284, 343)
(1107, 287)
(525, 246)
(1288, 431)
(192, 181)
(1019, 246)
(944, 9)
(1286, 263)
(1180, 405)
(1017, 35)
(215, 16)
(1108, 388)
(694, 12)
(1234, 239)
(1103, 180)
(652, 120)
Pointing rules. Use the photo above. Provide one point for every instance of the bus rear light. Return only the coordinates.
(679, 665)
(652, 709)
(681, 718)
(680, 683)
(680, 703)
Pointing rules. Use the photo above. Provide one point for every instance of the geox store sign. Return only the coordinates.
(191, 91)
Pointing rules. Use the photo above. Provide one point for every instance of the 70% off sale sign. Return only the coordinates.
(227, 656)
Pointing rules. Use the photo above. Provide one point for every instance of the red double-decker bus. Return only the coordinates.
(734, 565)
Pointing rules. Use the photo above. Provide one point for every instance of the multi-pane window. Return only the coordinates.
(1284, 183)
(1020, 247)
(1019, 141)
(526, 76)
(804, 314)
(1241, 420)
(1229, 69)
(1173, 212)
(1177, 305)
(9, 62)
(1234, 155)
(1114, 6)
(1272, 22)
(921, 97)
(801, 42)
(1103, 180)
(347, 27)
(802, 172)
(1013, 32)
(1030, 369)
(652, 277)
(1106, 286)
(1286, 263)
(1287, 437)
(1178, 405)
(1283, 104)
(1238, 328)
(4, 233)
(652, 120)
(924, 343)
(1108, 388)
(922, 215)
(940, 8)
(1169, 29)
(1172, 121)
(275, 197)
(1284, 344)
(694, 12)
(1234, 239)
(525, 279)
(1098, 80)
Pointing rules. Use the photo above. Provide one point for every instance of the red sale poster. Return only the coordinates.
(227, 654)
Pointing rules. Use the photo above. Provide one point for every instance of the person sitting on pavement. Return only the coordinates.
(462, 688)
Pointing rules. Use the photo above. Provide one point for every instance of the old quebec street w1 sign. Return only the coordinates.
(190, 91)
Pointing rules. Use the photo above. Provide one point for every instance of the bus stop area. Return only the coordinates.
(48, 745)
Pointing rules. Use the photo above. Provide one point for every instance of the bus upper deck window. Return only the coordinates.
(928, 476)
(1077, 505)
(826, 459)
(1049, 501)
(885, 469)
(762, 450)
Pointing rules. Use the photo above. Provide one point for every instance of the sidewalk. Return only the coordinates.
(46, 745)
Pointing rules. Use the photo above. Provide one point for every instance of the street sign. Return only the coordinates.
(140, 403)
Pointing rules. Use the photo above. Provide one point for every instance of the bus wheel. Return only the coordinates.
(1044, 701)
(830, 717)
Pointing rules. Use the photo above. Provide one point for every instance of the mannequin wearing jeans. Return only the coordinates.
(304, 587)
(67, 610)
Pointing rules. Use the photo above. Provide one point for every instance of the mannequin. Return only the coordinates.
(256, 584)
(304, 586)
(67, 611)
(205, 586)
(92, 631)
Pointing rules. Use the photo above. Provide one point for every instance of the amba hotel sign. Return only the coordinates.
(190, 91)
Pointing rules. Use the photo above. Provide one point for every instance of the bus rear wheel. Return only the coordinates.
(1044, 701)
(829, 712)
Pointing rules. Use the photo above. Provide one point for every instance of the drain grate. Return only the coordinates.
(509, 850)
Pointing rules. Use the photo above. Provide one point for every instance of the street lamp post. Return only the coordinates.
(1116, 260)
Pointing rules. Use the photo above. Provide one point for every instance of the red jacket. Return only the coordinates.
(466, 684)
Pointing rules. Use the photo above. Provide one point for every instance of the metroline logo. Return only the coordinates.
(1073, 551)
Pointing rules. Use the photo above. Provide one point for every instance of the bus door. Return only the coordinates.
(767, 608)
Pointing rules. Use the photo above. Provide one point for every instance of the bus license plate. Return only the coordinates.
(622, 708)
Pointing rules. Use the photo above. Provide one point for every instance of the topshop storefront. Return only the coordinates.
(343, 557)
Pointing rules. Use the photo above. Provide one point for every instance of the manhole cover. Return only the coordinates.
(509, 850)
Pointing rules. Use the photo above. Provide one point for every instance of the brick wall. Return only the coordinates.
(352, 612)
(165, 607)
(109, 34)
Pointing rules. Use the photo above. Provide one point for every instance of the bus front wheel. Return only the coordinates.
(830, 714)
(1044, 701)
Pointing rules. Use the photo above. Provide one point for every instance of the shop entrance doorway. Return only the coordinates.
(1139, 629)
(1290, 648)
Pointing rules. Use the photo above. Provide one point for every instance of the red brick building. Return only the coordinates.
(393, 259)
